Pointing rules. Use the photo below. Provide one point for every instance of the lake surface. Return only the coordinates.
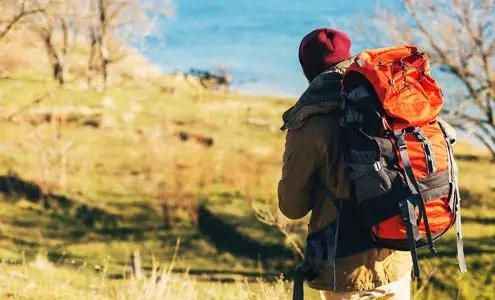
(257, 40)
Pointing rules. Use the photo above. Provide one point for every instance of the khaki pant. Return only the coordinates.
(397, 290)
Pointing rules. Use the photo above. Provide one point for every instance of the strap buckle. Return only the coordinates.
(404, 211)
(401, 140)
(419, 134)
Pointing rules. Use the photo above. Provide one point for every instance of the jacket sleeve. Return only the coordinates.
(300, 161)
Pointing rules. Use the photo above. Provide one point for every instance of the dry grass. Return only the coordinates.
(41, 279)
(133, 183)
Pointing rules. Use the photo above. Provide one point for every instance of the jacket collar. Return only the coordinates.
(322, 96)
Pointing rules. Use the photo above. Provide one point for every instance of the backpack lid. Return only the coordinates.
(401, 79)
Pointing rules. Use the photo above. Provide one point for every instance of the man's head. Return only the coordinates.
(321, 49)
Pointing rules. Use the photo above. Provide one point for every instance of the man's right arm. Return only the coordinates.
(298, 171)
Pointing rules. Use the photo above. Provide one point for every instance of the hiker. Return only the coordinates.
(313, 163)
(343, 258)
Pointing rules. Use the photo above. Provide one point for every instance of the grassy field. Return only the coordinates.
(90, 179)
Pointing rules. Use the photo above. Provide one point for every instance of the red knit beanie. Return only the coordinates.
(321, 49)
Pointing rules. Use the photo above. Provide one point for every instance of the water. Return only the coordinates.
(257, 40)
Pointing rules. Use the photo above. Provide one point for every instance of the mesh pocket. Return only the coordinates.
(369, 170)
(370, 180)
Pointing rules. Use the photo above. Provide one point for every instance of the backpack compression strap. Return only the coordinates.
(408, 206)
(427, 148)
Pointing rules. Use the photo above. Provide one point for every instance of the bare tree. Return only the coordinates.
(459, 36)
(113, 27)
(116, 24)
(98, 53)
(56, 25)
(13, 12)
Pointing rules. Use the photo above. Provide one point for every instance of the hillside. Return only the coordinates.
(88, 178)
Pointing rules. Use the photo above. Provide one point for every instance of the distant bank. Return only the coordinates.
(257, 40)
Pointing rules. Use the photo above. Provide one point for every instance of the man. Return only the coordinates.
(314, 174)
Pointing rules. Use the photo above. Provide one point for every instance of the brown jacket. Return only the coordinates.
(313, 155)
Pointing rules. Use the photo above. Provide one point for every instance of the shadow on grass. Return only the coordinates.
(72, 211)
(79, 223)
(482, 221)
(469, 199)
(11, 186)
(227, 238)
(472, 247)
(471, 157)
(63, 218)
(215, 276)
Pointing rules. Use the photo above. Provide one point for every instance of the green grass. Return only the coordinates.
(83, 198)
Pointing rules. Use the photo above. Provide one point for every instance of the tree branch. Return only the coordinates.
(460, 39)
(17, 18)
(481, 138)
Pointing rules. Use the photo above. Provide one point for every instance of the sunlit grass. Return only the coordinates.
(133, 185)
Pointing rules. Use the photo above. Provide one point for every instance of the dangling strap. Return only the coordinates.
(305, 271)
(332, 236)
(298, 292)
(455, 199)
(321, 249)
(407, 209)
(332, 249)
(458, 223)
(460, 243)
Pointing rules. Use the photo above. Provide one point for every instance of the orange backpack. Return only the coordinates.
(399, 154)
